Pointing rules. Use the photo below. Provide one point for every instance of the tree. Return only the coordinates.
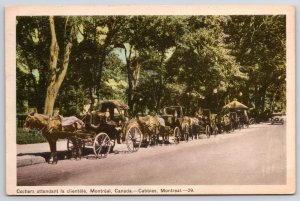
(258, 42)
(32, 61)
(57, 75)
(98, 37)
(151, 62)
(202, 67)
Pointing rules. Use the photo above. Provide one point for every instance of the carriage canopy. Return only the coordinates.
(235, 105)
(172, 110)
(112, 104)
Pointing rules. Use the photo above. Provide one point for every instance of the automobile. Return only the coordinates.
(277, 119)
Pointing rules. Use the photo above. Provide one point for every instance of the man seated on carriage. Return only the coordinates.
(108, 117)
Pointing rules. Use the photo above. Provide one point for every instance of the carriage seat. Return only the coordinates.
(161, 121)
(71, 123)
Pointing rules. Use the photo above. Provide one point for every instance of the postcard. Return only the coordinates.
(150, 100)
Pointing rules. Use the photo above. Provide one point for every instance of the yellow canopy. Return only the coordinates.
(235, 105)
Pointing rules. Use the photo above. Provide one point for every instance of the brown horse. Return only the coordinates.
(54, 128)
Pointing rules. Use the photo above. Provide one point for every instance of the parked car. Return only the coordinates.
(277, 119)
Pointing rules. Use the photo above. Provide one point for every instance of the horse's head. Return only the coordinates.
(35, 121)
(29, 122)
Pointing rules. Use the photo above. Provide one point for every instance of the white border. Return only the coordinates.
(10, 68)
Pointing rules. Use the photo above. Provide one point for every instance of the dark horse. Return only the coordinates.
(54, 128)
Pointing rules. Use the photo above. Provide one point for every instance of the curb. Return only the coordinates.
(29, 160)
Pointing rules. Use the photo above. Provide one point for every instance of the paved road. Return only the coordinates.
(252, 156)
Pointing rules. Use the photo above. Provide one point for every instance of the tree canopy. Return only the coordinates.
(151, 62)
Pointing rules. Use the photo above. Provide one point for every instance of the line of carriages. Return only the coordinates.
(111, 123)
(108, 125)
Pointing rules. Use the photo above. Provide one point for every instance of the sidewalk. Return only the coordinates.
(40, 147)
(27, 153)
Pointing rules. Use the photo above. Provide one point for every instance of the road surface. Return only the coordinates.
(252, 156)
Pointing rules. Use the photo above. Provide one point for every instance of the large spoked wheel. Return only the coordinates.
(133, 139)
(207, 131)
(176, 135)
(101, 145)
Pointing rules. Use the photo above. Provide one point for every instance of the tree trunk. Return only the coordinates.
(129, 77)
(56, 78)
(130, 86)
(161, 83)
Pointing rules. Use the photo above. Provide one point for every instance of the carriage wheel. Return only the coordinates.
(133, 139)
(251, 121)
(101, 145)
(176, 135)
(207, 131)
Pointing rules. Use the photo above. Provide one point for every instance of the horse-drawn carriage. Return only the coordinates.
(170, 123)
(204, 123)
(98, 130)
(109, 120)
(233, 116)
(238, 114)
(176, 123)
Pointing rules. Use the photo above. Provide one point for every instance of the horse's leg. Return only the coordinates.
(53, 157)
(80, 147)
(156, 134)
(166, 135)
(55, 152)
(163, 134)
(74, 148)
(118, 137)
(50, 142)
(150, 139)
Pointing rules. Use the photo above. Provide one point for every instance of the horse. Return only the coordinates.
(185, 124)
(150, 127)
(54, 128)
(194, 127)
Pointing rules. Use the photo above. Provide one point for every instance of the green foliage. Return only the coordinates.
(155, 61)
(29, 138)
(258, 43)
